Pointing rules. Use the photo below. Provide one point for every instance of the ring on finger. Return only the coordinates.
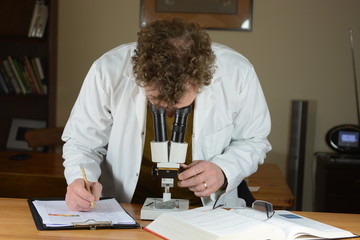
(205, 185)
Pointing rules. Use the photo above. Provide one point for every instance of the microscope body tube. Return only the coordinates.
(178, 147)
(159, 147)
(159, 152)
(178, 152)
(168, 165)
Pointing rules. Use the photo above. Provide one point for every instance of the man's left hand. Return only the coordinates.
(201, 177)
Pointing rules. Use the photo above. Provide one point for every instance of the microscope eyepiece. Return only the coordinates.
(179, 125)
(160, 128)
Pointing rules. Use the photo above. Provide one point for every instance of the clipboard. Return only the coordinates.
(89, 224)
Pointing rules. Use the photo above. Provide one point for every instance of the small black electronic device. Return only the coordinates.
(21, 156)
(344, 138)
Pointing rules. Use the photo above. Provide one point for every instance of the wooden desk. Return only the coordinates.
(17, 224)
(40, 176)
(273, 186)
(43, 176)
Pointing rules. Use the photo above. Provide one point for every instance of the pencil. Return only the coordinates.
(87, 185)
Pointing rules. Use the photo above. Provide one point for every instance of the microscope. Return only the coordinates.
(168, 156)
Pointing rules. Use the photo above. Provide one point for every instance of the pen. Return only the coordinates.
(87, 185)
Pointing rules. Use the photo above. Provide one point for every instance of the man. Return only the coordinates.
(172, 65)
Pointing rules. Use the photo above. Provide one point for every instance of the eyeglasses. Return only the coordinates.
(258, 205)
(264, 206)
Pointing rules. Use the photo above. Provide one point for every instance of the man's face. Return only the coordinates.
(186, 100)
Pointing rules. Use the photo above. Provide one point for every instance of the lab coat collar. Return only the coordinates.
(204, 98)
(138, 96)
(129, 72)
(139, 104)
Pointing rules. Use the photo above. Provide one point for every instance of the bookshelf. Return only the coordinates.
(15, 18)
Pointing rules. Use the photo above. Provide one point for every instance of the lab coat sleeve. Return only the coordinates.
(87, 131)
(249, 144)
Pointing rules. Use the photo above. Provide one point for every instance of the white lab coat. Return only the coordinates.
(107, 125)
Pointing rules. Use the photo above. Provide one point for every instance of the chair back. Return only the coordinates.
(44, 137)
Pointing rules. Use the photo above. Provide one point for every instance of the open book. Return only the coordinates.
(246, 223)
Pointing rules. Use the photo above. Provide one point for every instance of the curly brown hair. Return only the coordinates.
(171, 54)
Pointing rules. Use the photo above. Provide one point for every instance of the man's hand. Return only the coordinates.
(78, 198)
(201, 177)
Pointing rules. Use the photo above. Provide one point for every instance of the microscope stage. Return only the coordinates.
(154, 207)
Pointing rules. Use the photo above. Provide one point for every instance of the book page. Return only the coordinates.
(296, 226)
(203, 223)
(57, 214)
(309, 226)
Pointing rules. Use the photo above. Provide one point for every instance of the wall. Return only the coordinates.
(300, 50)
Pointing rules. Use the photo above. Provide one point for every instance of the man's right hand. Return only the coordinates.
(78, 198)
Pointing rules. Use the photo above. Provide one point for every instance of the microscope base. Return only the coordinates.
(154, 207)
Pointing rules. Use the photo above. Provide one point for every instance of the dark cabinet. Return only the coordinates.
(337, 183)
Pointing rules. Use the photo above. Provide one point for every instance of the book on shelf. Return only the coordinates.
(39, 69)
(3, 86)
(31, 76)
(245, 223)
(38, 19)
(18, 75)
(10, 76)
(24, 76)
(19, 66)
(6, 80)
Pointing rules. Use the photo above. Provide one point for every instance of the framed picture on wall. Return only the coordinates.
(210, 14)
(16, 140)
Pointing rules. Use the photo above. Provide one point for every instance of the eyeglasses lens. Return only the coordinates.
(265, 207)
